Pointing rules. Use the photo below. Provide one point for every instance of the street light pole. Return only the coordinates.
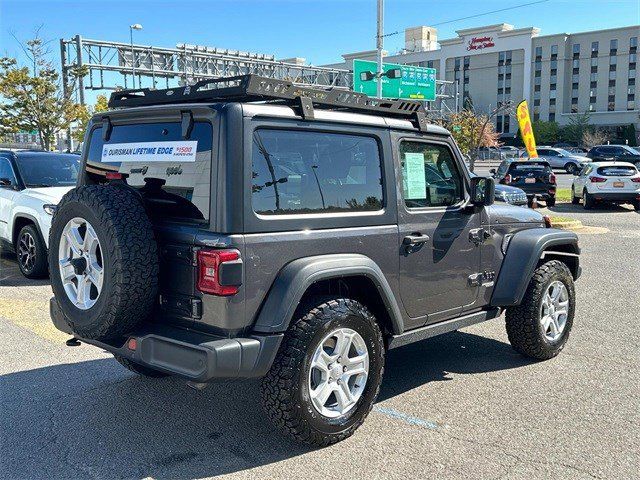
(379, 45)
(135, 26)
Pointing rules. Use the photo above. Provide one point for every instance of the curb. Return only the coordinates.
(570, 225)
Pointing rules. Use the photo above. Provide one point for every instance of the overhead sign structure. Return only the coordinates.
(416, 83)
(526, 130)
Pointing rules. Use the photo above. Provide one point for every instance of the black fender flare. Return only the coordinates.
(26, 216)
(524, 251)
(296, 277)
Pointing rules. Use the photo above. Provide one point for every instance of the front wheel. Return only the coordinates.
(327, 374)
(539, 327)
(551, 201)
(31, 253)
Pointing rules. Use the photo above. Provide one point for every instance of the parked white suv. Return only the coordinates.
(31, 185)
(560, 158)
(614, 182)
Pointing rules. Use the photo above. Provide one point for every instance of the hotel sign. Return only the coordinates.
(480, 43)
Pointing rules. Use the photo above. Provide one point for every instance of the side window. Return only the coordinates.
(297, 172)
(430, 176)
(7, 172)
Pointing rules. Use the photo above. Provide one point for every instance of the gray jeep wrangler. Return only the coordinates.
(249, 227)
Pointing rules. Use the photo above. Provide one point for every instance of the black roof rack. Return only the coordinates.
(254, 88)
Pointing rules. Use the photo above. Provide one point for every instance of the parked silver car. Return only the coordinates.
(561, 158)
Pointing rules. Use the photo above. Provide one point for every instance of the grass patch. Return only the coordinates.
(559, 219)
(563, 195)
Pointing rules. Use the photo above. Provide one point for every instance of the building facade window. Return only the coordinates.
(611, 103)
(552, 116)
(576, 50)
(613, 47)
(538, 53)
(594, 49)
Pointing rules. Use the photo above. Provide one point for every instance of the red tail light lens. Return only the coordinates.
(636, 180)
(507, 178)
(598, 179)
(552, 178)
(219, 272)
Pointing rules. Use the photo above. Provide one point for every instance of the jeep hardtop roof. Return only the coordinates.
(268, 96)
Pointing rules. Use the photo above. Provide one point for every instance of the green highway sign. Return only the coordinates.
(416, 83)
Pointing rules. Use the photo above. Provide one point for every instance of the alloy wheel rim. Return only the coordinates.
(554, 310)
(80, 263)
(27, 251)
(338, 373)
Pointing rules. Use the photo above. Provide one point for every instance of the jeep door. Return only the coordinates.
(438, 234)
(7, 195)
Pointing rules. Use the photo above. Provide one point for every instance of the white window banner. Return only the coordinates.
(182, 151)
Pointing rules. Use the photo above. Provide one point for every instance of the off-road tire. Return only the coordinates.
(139, 369)
(551, 201)
(523, 321)
(129, 256)
(285, 396)
(574, 200)
(39, 268)
(587, 200)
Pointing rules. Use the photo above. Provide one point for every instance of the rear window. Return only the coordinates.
(529, 167)
(314, 172)
(617, 171)
(172, 173)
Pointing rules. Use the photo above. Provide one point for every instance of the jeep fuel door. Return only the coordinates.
(438, 238)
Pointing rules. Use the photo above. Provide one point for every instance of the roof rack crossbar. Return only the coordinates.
(253, 88)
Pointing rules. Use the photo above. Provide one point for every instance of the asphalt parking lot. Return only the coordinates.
(463, 405)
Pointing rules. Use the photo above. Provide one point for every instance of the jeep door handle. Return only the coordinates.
(415, 239)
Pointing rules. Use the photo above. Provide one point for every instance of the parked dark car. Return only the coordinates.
(535, 177)
(507, 194)
(608, 153)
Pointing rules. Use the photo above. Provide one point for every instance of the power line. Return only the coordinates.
(489, 13)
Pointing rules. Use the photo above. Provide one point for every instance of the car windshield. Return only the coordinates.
(629, 150)
(48, 169)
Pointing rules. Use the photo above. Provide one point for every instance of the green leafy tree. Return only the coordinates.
(546, 133)
(578, 125)
(31, 99)
(85, 114)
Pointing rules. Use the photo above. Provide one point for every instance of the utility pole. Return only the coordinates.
(379, 45)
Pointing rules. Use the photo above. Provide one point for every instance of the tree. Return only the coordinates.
(546, 133)
(593, 137)
(472, 131)
(31, 98)
(576, 128)
(85, 115)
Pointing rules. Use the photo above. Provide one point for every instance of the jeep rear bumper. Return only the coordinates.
(195, 356)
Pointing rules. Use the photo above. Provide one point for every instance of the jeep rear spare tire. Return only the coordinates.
(103, 261)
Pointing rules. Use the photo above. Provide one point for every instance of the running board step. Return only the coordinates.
(439, 328)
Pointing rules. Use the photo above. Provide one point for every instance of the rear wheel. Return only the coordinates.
(571, 167)
(551, 201)
(31, 252)
(327, 374)
(139, 369)
(539, 327)
(587, 200)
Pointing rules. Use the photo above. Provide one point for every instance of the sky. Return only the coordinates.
(318, 30)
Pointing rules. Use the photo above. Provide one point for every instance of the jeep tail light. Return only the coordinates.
(598, 179)
(552, 178)
(219, 272)
(507, 178)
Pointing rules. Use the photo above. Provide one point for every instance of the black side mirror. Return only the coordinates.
(483, 191)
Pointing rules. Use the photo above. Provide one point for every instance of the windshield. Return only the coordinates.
(629, 150)
(48, 169)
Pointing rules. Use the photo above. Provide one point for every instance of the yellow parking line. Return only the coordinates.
(28, 314)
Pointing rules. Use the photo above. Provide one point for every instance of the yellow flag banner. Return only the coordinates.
(526, 130)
